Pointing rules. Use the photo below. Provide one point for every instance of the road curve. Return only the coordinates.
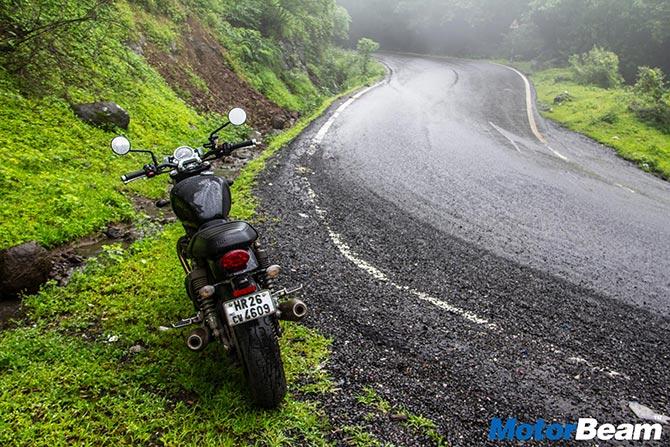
(468, 266)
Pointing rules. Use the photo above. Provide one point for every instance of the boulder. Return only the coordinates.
(105, 114)
(23, 268)
(563, 97)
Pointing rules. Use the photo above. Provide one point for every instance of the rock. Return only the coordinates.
(398, 417)
(243, 154)
(563, 97)
(136, 349)
(279, 122)
(105, 114)
(255, 135)
(114, 232)
(23, 268)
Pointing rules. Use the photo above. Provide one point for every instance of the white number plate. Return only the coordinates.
(250, 307)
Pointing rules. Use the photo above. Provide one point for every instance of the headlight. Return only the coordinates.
(183, 153)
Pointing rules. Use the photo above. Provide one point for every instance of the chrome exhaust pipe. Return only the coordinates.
(198, 339)
(292, 310)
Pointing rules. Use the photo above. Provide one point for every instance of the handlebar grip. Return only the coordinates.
(247, 143)
(129, 177)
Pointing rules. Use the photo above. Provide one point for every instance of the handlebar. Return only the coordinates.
(247, 143)
(129, 177)
(152, 170)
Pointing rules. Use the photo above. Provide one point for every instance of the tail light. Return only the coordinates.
(243, 285)
(234, 261)
(251, 288)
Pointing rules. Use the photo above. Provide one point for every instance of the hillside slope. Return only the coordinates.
(176, 66)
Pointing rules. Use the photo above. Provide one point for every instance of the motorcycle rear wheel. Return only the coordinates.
(258, 350)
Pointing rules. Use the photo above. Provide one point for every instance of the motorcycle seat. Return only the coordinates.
(218, 237)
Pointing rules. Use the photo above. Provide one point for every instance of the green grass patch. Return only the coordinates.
(603, 115)
(71, 377)
(420, 424)
(357, 436)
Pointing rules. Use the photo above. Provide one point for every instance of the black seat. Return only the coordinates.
(218, 237)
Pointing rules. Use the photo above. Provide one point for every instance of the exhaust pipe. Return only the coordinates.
(292, 310)
(198, 340)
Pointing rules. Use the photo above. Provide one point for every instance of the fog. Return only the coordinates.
(542, 30)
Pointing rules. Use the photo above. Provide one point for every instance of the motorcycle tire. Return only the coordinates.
(258, 350)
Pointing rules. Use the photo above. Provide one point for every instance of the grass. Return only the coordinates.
(59, 181)
(418, 423)
(70, 377)
(603, 115)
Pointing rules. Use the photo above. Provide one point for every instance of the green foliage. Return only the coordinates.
(597, 67)
(416, 422)
(604, 115)
(59, 180)
(650, 104)
(365, 48)
(650, 83)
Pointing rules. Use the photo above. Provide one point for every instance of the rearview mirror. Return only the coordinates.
(237, 116)
(120, 145)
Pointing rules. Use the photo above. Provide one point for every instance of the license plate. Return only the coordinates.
(250, 307)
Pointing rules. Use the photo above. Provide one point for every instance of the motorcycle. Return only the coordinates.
(229, 277)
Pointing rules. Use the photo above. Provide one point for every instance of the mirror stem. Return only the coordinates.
(153, 157)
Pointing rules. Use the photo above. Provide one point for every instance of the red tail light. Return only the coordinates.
(234, 261)
(245, 291)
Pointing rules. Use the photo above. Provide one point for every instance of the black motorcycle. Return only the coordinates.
(228, 274)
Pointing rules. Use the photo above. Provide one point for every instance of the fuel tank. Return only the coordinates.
(199, 199)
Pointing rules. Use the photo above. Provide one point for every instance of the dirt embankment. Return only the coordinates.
(200, 53)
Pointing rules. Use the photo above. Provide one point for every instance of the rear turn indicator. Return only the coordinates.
(234, 261)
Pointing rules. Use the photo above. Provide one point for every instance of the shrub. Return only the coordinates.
(649, 104)
(650, 83)
(597, 67)
(365, 48)
(656, 114)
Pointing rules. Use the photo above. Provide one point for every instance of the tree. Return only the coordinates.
(365, 48)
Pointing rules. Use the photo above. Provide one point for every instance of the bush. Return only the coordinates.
(365, 48)
(649, 104)
(650, 83)
(597, 67)
(656, 114)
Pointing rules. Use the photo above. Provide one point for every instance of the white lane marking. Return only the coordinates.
(504, 134)
(558, 154)
(377, 274)
(632, 191)
(321, 134)
(529, 104)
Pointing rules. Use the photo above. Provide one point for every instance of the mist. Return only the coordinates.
(547, 31)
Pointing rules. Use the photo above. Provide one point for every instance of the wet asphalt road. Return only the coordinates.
(464, 268)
